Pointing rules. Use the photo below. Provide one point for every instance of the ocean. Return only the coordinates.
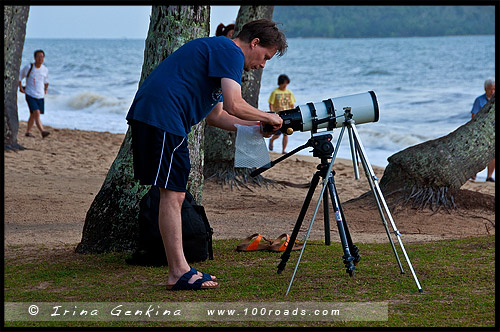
(425, 86)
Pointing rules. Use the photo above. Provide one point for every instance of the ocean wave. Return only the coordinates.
(89, 99)
(390, 140)
(68, 66)
(422, 102)
(377, 72)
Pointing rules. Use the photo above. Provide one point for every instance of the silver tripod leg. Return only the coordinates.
(372, 179)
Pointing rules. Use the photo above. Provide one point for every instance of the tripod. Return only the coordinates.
(323, 149)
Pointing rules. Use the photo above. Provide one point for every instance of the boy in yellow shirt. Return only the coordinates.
(281, 99)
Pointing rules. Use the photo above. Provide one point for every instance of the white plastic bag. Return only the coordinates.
(251, 150)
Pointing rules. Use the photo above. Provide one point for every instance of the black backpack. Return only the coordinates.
(196, 232)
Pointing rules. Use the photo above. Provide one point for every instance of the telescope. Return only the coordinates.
(353, 109)
(324, 114)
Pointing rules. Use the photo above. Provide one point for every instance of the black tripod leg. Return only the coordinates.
(348, 258)
(286, 255)
(352, 247)
(326, 214)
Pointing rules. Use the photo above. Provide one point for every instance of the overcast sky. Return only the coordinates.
(104, 21)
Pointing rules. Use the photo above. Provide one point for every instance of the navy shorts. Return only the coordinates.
(160, 158)
(35, 104)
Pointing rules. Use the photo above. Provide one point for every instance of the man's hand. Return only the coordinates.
(265, 133)
(273, 124)
(274, 120)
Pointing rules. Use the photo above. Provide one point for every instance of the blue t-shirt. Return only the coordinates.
(186, 86)
(479, 103)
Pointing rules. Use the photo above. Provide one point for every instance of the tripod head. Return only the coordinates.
(322, 145)
(322, 148)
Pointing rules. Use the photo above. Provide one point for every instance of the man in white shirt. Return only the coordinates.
(37, 84)
(489, 91)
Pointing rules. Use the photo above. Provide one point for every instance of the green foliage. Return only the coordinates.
(385, 21)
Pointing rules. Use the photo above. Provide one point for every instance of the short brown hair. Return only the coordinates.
(267, 32)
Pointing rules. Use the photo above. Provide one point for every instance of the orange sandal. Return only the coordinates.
(277, 246)
(254, 245)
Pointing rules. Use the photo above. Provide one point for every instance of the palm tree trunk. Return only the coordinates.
(426, 172)
(14, 21)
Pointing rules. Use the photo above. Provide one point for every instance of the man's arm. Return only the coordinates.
(46, 81)
(222, 119)
(22, 75)
(235, 105)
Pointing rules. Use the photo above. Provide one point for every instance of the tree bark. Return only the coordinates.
(425, 172)
(220, 144)
(14, 21)
(111, 223)
(250, 80)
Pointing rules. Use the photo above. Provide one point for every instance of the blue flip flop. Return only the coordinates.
(183, 284)
(207, 277)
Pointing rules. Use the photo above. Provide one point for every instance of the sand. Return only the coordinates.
(50, 186)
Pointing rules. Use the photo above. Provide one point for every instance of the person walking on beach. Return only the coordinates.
(200, 79)
(223, 30)
(281, 99)
(37, 85)
(489, 89)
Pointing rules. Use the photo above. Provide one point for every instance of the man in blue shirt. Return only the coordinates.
(202, 79)
(489, 88)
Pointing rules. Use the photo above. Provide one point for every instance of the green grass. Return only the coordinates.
(458, 279)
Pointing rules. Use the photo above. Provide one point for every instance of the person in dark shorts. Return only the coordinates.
(201, 79)
(37, 85)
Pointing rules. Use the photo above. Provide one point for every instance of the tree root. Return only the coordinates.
(236, 177)
(423, 197)
(13, 147)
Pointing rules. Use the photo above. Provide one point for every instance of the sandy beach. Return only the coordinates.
(50, 186)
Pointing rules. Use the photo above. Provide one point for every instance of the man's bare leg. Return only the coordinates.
(491, 169)
(285, 143)
(271, 142)
(35, 119)
(38, 121)
(170, 222)
(31, 122)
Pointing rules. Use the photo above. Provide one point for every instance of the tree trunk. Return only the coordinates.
(111, 222)
(250, 81)
(426, 171)
(220, 147)
(14, 21)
